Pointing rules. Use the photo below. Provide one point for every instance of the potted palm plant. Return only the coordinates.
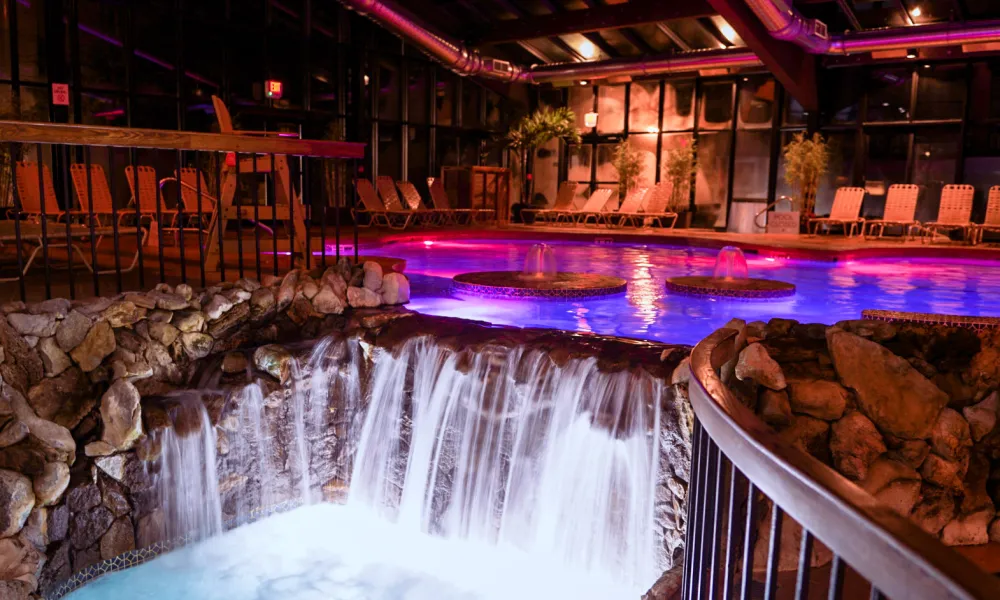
(806, 161)
(532, 131)
(680, 166)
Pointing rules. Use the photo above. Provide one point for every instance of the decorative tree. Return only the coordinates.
(537, 129)
(806, 161)
(679, 167)
(628, 163)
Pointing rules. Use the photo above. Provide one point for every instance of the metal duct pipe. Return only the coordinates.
(465, 61)
(784, 22)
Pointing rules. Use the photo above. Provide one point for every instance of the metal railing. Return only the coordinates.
(176, 207)
(740, 468)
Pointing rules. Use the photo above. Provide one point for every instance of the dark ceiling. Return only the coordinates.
(547, 31)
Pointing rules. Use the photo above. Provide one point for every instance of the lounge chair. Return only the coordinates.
(655, 210)
(631, 208)
(900, 210)
(31, 200)
(376, 211)
(428, 216)
(594, 208)
(846, 212)
(192, 183)
(146, 195)
(563, 205)
(102, 205)
(439, 196)
(56, 236)
(992, 220)
(954, 212)
(390, 197)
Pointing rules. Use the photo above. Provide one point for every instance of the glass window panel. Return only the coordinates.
(102, 62)
(605, 163)
(841, 103)
(546, 172)
(416, 92)
(204, 50)
(753, 164)
(388, 90)
(5, 72)
(104, 109)
(154, 112)
(30, 40)
(611, 109)
(886, 165)
(678, 106)
(889, 95)
(446, 149)
(417, 167)
(716, 106)
(494, 110)
(445, 98)
(644, 107)
(935, 159)
(712, 182)
(645, 145)
(579, 157)
(840, 171)
(581, 101)
(390, 151)
(671, 141)
(35, 103)
(757, 101)
(941, 92)
(156, 44)
(472, 95)
(794, 113)
(470, 151)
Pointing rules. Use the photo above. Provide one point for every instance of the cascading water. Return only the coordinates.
(513, 450)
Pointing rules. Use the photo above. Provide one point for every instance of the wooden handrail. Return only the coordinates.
(87, 135)
(898, 557)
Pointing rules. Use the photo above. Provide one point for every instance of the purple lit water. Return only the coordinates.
(826, 292)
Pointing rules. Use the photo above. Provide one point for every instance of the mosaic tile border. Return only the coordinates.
(498, 291)
(134, 558)
(774, 293)
(975, 323)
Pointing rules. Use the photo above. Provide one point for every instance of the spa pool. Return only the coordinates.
(826, 292)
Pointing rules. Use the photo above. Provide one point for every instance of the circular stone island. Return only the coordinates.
(558, 286)
(748, 289)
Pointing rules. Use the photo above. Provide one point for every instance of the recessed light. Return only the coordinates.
(587, 49)
(911, 53)
(916, 12)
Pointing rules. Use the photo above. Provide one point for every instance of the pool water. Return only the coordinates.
(826, 292)
(328, 552)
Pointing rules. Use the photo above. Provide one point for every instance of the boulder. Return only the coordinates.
(373, 276)
(274, 360)
(778, 327)
(261, 301)
(395, 289)
(943, 472)
(855, 443)
(43, 325)
(65, 399)
(327, 302)
(20, 561)
(13, 432)
(123, 313)
(234, 362)
(969, 529)
(189, 322)
(168, 301)
(16, 501)
(118, 540)
(982, 417)
(53, 358)
(121, 415)
(308, 287)
(994, 531)
(890, 392)
(825, 400)
(98, 448)
(197, 345)
(114, 466)
(333, 278)
(36, 529)
(359, 297)
(911, 452)
(286, 292)
(878, 331)
(217, 306)
(809, 435)
(57, 440)
(165, 333)
(893, 483)
(152, 529)
(59, 307)
(935, 509)
(98, 343)
(774, 408)
(87, 528)
(950, 437)
(755, 364)
(50, 484)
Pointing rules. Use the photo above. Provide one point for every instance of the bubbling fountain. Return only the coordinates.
(538, 279)
(731, 279)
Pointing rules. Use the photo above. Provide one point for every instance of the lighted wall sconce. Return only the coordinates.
(590, 119)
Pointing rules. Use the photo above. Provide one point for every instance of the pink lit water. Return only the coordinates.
(826, 292)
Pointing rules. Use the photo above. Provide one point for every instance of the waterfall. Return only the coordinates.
(506, 448)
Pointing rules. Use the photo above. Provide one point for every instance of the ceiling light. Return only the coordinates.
(915, 12)
(587, 49)
(911, 53)
(728, 32)
(584, 82)
(927, 66)
(885, 104)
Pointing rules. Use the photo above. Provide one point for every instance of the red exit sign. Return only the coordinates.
(273, 89)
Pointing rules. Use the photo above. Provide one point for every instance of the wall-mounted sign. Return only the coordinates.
(60, 94)
(273, 89)
(783, 222)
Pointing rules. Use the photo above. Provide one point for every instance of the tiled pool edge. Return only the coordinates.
(976, 323)
(134, 558)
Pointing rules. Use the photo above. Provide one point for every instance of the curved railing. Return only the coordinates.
(737, 457)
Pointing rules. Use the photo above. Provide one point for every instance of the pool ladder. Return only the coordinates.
(764, 211)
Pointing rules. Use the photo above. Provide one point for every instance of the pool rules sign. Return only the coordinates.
(783, 222)
(60, 94)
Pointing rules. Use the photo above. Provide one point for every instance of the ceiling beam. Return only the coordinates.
(596, 39)
(612, 16)
(849, 13)
(791, 65)
(672, 35)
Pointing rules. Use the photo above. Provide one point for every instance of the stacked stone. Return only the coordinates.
(907, 412)
(72, 375)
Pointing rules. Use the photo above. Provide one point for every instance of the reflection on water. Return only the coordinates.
(826, 292)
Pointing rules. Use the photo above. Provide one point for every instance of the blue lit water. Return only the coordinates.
(827, 292)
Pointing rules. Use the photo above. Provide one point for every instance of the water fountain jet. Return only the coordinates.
(731, 279)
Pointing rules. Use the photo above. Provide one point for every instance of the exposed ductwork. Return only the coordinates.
(784, 22)
(465, 61)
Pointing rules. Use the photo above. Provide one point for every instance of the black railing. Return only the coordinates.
(175, 207)
(849, 544)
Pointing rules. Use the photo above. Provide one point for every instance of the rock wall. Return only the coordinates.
(89, 388)
(906, 411)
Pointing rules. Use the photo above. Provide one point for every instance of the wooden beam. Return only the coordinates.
(596, 39)
(612, 16)
(791, 65)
